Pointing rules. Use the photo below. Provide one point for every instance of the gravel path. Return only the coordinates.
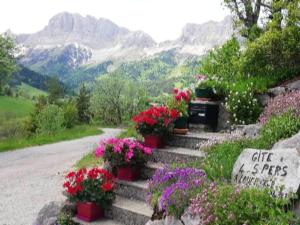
(32, 177)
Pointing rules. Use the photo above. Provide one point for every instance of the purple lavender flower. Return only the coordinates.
(175, 186)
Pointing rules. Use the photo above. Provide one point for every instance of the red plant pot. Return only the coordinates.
(128, 173)
(89, 211)
(153, 141)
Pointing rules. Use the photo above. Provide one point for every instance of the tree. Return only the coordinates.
(83, 105)
(116, 99)
(274, 14)
(7, 60)
(55, 89)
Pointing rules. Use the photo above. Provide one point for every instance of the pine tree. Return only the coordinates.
(83, 105)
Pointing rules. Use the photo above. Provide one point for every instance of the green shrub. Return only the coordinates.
(70, 114)
(50, 120)
(276, 54)
(280, 127)
(12, 129)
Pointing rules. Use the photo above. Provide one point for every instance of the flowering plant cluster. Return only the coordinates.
(156, 120)
(229, 204)
(280, 105)
(180, 101)
(242, 105)
(94, 185)
(123, 151)
(201, 80)
(171, 189)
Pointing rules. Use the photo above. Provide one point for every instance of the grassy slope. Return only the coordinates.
(68, 134)
(31, 91)
(14, 107)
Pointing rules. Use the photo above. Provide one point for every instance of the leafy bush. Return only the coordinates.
(70, 114)
(280, 105)
(280, 127)
(115, 99)
(231, 205)
(50, 120)
(12, 129)
(223, 62)
(243, 106)
(276, 54)
(171, 189)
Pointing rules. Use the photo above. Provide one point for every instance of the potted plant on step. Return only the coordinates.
(92, 190)
(155, 123)
(126, 156)
(180, 101)
(202, 91)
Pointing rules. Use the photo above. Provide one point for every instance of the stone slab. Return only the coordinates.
(277, 169)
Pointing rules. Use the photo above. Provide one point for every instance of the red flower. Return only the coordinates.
(71, 174)
(107, 186)
(174, 114)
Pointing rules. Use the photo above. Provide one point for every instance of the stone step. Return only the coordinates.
(192, 140)
(133, 189)
(129, 212)
(150, 168)
(170, 155)
(98, 222)
(199, 128)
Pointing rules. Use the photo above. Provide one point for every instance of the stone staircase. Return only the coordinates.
(130, 207)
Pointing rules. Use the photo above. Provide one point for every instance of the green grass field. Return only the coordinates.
(12, 108)
(68, 134)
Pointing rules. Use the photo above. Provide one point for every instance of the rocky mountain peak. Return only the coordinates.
(210, 33)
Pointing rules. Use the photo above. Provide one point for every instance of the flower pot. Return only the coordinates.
(181, 123)
(128, 173)
(89, 211)
(153, 141)
(205, 93)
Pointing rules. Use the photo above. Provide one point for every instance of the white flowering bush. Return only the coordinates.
(242, 105)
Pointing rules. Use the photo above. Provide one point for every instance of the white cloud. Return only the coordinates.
(162, 19)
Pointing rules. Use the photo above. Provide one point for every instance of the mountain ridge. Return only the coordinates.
(70, 43)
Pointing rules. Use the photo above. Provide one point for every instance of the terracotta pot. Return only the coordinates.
(89, 211)
(128, 173)
(153, 141)
(180, 131)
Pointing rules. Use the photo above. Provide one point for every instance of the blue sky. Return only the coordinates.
(162, 19)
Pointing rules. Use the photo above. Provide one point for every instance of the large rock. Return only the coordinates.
(273, 92)
(49, 213)
(277, 169)
(292, 142)
(187, 219)
(249, 131)
(169, 220)
(294, 85)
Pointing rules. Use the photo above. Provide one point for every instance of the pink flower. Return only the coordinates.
(148, 150)
(100, 151)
